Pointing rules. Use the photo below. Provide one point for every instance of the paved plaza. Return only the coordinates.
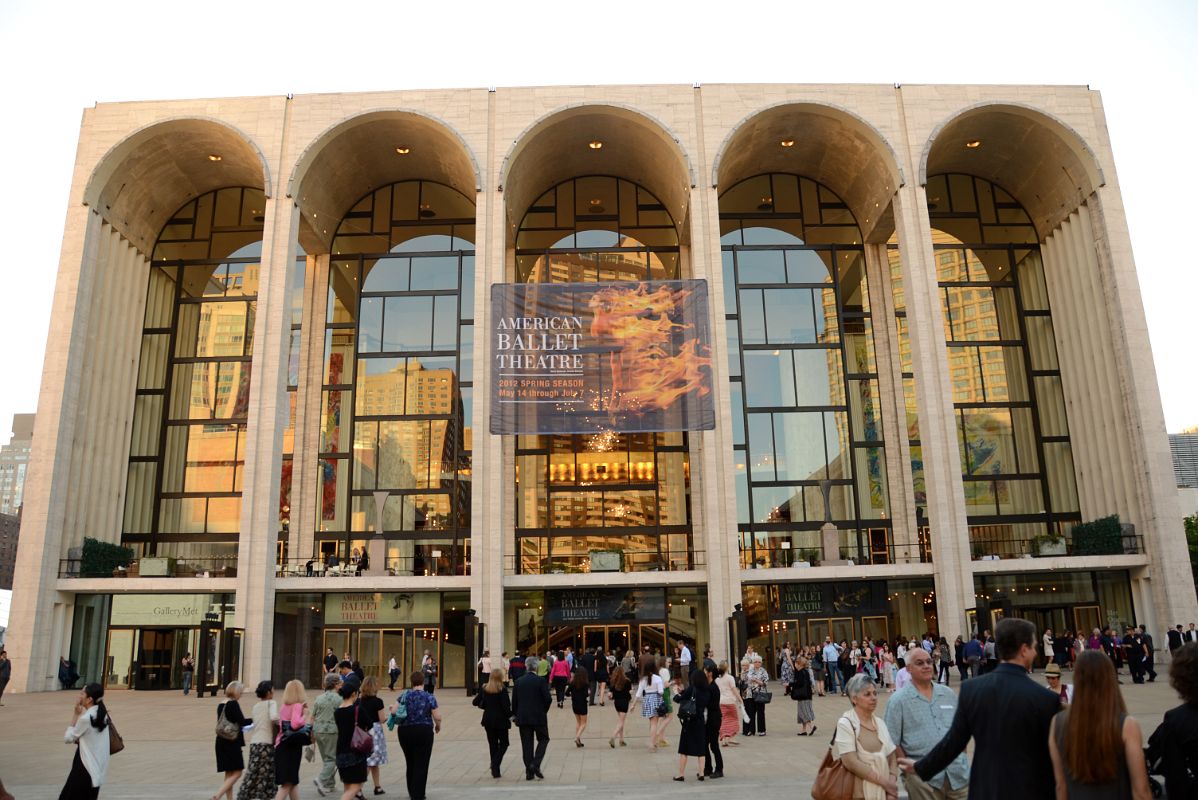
(169, 750)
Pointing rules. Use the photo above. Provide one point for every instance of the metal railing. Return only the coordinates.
(998, 548)
(414, 565)
(614, 561)
(155, 567)
(782, 558)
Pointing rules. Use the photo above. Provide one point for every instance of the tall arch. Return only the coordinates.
(1036, 158)
(375, 148)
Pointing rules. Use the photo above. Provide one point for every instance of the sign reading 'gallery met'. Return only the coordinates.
(591, 357)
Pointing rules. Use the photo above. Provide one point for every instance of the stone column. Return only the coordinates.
(268, 410)
(951, 555)
(305, 478)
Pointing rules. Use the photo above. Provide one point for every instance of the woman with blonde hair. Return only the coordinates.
(497, 717)
(295, 731)
(732, 706)
(649, 694)
(258, 783)
(1096, 748)
(619, 689)
(372, 713)
(229, 758)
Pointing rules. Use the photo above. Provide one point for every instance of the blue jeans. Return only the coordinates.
(833, 678)
(187, 682)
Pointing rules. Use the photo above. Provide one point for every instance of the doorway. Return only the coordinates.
(841, 629)
(154, 652)
(609, 638)
(1086, 619)
(373, 648)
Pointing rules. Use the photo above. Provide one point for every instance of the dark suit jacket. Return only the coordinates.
(1007, 715)
(530, 701)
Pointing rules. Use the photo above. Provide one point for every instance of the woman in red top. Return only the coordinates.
(559, 676)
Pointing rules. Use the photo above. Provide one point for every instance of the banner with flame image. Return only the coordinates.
(627, 357)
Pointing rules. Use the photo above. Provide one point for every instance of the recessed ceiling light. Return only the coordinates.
(595, 144)
(787, 142)
(403, 151)
(973, 144)
(213, 157)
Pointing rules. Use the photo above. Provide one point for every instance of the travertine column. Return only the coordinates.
(951, 559)
(268, 410)
(305, 477)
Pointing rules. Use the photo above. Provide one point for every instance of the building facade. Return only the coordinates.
(10, 531)
(14, 462)
(268, 360)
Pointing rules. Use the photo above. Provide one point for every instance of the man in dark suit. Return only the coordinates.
(1191, 634)
(1149, 654)
(530, 702)
(587, 662)
(1007, 715)
(1175, 641)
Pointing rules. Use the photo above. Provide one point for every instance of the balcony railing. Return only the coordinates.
(991, 547)
(781, 558)
(415, 565)
(604, 561)
(155, 567)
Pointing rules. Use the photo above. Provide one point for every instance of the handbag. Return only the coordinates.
(762, 697)
(115, 743)
(300, 737)
(362, 742)
(833, 781)
(225, 728)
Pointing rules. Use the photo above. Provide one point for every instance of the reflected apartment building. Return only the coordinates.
(270, 350)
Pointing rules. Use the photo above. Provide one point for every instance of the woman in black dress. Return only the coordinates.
(714, 766)
(693, 739)
(579, 692)
(229, 757)
(497, 717)
(600, 675)
(351, 765)
(620, 690)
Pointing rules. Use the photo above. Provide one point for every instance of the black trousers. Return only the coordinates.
(79, 782)
(394, 675)
(497, 742)
(945, 673)
(559, 686)
(1150, 667)
(715, 761)
(756, 723)
(533, 760)
(416, 741)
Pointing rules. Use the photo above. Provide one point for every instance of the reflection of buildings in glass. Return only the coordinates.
(14, 461)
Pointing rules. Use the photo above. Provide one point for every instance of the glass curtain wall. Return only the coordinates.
(609, 491)
(807, 427)
(295, 321)
(397, 399)
(1016, 458)
(187, 452)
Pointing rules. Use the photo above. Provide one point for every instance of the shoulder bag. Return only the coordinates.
(834, 781)
(362, 742)
(225, 728)
(115, 743)
(300, 737)
(762, 696)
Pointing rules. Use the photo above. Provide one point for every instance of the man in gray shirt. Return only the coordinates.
(324, 732)
(918, 716)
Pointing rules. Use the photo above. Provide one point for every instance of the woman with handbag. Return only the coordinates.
(863, 745)
(559, 677)
(353, 744)
(372, 716)
(756, 684)
(259, 780)
(415, 732)
(493, 699)
(691, 705)
(89, 731)
(295, 733)
(230, 740)
(800, 692)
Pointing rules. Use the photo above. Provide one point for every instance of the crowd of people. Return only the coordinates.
(1062, 740)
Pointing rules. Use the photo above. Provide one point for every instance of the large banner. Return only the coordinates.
(569, 606)
(594, 357)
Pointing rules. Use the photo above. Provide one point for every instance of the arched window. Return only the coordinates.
(1016, 458)
(807, 427)
(610, 491)
(397, 396)
(187, 451)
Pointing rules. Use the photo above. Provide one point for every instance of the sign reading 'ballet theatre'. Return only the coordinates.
(593, 357)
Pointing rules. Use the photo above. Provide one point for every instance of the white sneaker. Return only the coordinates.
(320, 789)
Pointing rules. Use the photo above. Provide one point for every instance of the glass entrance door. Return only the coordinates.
(118, 663)
(1085, 620)
(611, 638)
(154, 659)
(423, 640)
(369, 652)
(875, 628)
(839, 628)
(338, 640)
(653, 637)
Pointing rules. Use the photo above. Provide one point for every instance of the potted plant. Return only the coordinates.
(1049, 544)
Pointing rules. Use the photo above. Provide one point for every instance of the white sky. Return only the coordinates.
(57, 58)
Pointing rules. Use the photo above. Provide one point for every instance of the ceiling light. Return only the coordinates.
(973, 144)
(595, 144)
(403, 151)
(213, 157)
(787, 142)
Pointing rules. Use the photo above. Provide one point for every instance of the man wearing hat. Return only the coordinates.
(1052, 673)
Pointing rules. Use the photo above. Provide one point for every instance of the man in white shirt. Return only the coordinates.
(903, 676)
(832, 676)
(684, 662)
(900, 654)
(393, 672)
(917, 717)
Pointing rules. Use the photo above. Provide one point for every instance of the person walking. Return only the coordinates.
(259, 780)
(530, 702)
(944, 655)
(5, 672)
(800, 692)
(685, 658)
(392, 672)
(89, 731)
(786, 669)
(324, 732)
(351, 765)
(1149, 654)
(667, 701)
(580, 688)
(1047, 640)
(588, 663)
(619, 689)
(1174, 744)
(416, 732)
(493, 699)
(649, 691)
(372, 716)
(559, 677)
(917, 717)
(188, 665)
(863, 744)
(428, 667)
(229, 756)
(959, 657)
(692, 739)
(713, 767)
(832, 676)
(846, 665)
(732, 706)
(1175, 642)
(599, 682)
(484, 670)
(1096, 748)
(1008, 717)
(757, 687)
(294, 715)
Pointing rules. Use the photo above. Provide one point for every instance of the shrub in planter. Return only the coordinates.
(99, 559)
(1101, 537)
